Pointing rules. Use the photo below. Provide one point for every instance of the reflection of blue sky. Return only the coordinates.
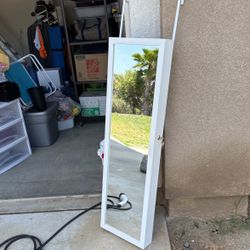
(123, 59)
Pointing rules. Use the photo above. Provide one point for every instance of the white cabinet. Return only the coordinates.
(14, 142)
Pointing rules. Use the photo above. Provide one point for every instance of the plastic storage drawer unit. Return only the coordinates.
(42, 126)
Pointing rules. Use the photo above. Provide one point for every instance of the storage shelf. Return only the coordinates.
(76, 43)
(71, 42)
(9, 124)
(15, 162)
(91, 82)
(90, 119)
(12, 144)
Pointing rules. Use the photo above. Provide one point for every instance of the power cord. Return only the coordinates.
(123, 201)
(123, 204)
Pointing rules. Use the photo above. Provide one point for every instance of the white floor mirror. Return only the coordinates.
(137, 90)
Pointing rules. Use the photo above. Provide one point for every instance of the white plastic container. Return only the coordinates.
(66, 124)
(11, 134)
(14, 142)
(92, 11)
(55, 74)
(94, 100)
(13, 155)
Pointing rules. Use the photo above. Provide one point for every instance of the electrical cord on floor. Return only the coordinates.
(37, 243)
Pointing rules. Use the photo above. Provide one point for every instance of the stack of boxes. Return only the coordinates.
(92, 68)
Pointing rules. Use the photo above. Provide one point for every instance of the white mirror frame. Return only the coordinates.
(158, 118)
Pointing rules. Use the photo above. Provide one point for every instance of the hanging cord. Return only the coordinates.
(37, 243)
(122, 17)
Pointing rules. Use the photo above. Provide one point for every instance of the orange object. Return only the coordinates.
(42, 51)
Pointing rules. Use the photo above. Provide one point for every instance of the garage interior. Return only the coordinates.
(72, 48)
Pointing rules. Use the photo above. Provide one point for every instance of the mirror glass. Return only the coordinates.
(134, 74)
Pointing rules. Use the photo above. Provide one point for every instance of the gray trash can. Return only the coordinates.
(42, 126)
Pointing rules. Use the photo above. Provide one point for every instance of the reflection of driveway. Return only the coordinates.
(140, 150)
(124, 154)
(125, 177)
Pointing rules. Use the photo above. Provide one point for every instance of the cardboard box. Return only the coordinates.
(91, 67)
(93, 104)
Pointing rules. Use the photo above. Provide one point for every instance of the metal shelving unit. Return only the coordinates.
(91, 82)
(87, 42)
(72, 44)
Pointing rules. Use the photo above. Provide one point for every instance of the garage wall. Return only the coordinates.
(144, 18)
(14, 19)
(207, 150)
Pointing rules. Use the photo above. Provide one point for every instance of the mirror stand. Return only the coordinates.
(138, 81)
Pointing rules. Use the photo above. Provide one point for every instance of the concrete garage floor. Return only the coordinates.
(68, 167)
(83, 234)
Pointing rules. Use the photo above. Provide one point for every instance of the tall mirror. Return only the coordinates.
(135, 116)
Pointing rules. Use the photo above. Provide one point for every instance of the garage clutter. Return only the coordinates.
(58, 87)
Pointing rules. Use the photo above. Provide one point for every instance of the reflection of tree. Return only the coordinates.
(133, 90)
(129, 88)
(146, 64)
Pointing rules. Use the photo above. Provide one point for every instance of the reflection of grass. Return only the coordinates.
(131, 130)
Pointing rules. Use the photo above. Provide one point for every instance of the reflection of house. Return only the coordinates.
(207, 147)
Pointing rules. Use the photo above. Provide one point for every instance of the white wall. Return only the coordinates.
(14, 20)
(144, 18)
